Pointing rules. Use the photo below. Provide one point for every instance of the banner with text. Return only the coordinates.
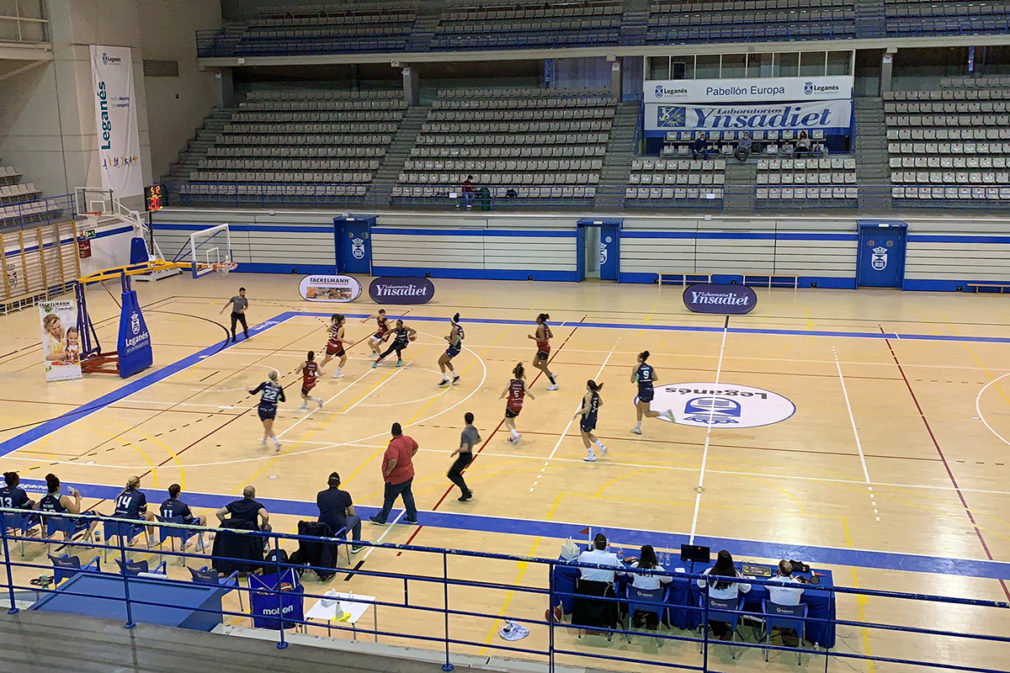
(833, 117)
(61, 345)
(759, 90)
(116, 120)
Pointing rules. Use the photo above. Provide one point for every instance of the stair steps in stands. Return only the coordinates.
(872, 168)
(617, 161)
(397, 154)
(870, 18)
(188, 160)
(741, 181)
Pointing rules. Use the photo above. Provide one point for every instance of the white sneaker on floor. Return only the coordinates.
(263, 442)
(603, 451)
(515, 440)
(305, 405)
(553, 386)
(590, 458)
(338, 375)
(636, 431)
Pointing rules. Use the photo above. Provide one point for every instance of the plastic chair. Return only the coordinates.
(784, 617)
(69, 527)
(21, 523)
(647, 600)
(134, 568)
(726, 610)
(130, 531)
(207, 575)
(66, 566)
(343, 533)
(181, 534)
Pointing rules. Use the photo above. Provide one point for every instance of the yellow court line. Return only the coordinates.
(861, 600)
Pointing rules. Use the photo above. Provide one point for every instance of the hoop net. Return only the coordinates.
(210, 250)
(224, 268)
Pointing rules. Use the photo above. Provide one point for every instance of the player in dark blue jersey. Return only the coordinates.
(55, 503)
(132, 503)
(591, 403)
(401, 336)
(12, 495)
(272, 394)
(645, 376)
(173, 507)
(455, 339)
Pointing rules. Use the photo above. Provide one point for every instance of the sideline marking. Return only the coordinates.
(708, 437)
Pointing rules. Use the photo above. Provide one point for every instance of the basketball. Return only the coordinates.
(412, 337)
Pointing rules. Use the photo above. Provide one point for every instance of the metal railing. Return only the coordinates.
(445, 617)
(36, 212)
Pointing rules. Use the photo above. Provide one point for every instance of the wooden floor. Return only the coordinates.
(898, 443)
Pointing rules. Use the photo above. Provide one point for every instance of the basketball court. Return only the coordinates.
(870, 438)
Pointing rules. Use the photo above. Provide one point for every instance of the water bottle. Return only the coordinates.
(620, 554)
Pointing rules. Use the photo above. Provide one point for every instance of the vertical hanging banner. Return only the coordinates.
(116, 120)
(134, 344)
(61, 346)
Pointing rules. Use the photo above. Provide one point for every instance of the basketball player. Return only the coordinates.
(543, 338)
(238, 304)
(310, 371)
(55, 503)
(401, 335)
(516, 391)
(272, 394)
(381, 333)
(455, 339)
(335, 345)
(645, 376)
(591, 404)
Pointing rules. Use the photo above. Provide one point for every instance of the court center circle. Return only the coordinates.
(723, 405)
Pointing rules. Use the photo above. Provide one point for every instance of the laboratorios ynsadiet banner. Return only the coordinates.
(61, 344)
(116, 120)
(831, 116)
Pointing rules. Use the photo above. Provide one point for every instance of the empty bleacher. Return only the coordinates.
(524, 143)
(951, 143)
(829, 181)
(750, 20)
(692, 182)
(932, 17)
(518, 24)
(21, 203)
(292, 144)
(363, 27)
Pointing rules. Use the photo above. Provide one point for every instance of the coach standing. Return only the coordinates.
(398, 473)
(238, 305)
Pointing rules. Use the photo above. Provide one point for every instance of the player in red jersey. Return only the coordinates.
(381, 332)
(310, 371)
(515, 391)
(543, 338)
(335, 345)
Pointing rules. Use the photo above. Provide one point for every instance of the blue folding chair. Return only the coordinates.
(133, 568)
(66, 566)
(647, 600)
(207, 575)
(725, 610)
(183, 535)
(68, 526)
(21, 524)
(784, 617)
(127, 532)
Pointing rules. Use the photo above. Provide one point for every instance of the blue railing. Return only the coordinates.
(278, 599)
(37, 212)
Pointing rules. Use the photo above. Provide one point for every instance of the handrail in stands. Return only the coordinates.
(553, 651)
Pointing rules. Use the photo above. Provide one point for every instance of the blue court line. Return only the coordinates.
(742, 549)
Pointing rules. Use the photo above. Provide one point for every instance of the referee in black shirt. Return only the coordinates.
(238, 304)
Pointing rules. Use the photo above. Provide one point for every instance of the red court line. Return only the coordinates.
(950, 473)
(493, 432)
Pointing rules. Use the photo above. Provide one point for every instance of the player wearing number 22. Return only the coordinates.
(272, 394)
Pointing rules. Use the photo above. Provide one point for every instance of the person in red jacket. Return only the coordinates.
(398, 473)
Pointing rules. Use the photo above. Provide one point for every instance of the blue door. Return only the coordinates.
(881, 261)
(353, 243)
(609, 246)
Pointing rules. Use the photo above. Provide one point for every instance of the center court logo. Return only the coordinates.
(725, 405)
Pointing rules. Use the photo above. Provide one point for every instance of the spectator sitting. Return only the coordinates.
(132, 503)
(337, 511)
(699, 148)
(787, 594)
(803, 144)
(647, 582)
(596, 582)
(174, 507)
(468, 194)
(820, 149)
(722, 588)
(743, 147)
(247, 509)
(12, 495)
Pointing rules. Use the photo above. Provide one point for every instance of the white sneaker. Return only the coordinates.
(515, 440)
(305, 405)
(603, 451)
(669, 416)
(319, 401)
(277, 448)
(263, 442)
(590, 458)
(553, 386)
(636, 431)
(338, 375)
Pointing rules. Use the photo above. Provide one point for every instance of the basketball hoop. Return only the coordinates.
(224, 268)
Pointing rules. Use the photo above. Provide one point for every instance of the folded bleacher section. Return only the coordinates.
(689, 182)
(750, 20)
(21, 203)
(299, 145)
(522, 144)
(308, 29)
(524, 24)
(827, 181)
(936, 17)
(950, 144)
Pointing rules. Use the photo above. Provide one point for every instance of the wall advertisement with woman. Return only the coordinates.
(61, 345)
